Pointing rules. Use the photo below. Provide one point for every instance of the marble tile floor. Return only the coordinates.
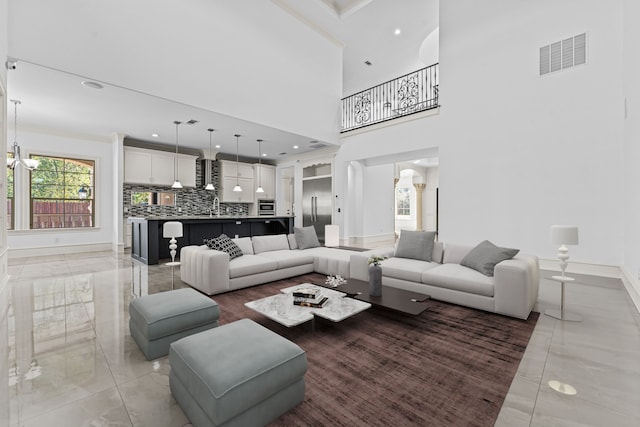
(73, 362)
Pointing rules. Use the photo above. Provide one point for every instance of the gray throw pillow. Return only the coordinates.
(415, 245)
(225, 244)
(306, 237)
(485, 256)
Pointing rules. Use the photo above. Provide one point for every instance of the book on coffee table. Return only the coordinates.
(306, 302)
(310, 293)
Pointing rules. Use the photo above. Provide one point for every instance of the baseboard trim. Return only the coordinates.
(55, 250)
(633, 287)
(369, 242)
(583, 268)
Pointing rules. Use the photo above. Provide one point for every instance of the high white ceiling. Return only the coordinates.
(59, 102)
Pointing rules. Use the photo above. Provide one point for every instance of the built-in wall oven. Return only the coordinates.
(266, 207)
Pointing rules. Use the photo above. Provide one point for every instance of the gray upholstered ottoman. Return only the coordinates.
(239, 374)
(158, 320)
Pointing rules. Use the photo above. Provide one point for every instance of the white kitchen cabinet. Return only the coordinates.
(142, 166)
(228, 169)
(265, 175)
(187, 170)
(229, 176)
(137, 166)
(227, 195)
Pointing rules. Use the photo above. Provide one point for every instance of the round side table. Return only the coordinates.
(561, 314)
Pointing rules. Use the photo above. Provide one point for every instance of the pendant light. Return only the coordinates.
(29, 164)
(237, 187)
(176, 181)
(259, 189)
(210, 186)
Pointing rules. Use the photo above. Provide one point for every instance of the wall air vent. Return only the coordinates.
(563, 54)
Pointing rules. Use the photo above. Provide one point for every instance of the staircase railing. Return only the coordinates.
(408, 94)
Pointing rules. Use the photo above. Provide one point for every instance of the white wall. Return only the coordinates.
(518, 152)
(67, 146)
(377, 189)
(631, 188)
(4, 276)
(3, 40)
(247, 59)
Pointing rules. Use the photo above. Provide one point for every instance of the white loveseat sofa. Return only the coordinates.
(513, 289)
(264, 259)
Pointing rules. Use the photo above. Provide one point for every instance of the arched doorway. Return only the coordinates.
(416, 196)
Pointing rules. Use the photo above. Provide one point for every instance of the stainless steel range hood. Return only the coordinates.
(207, 166)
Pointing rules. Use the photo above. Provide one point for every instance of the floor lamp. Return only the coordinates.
(172, 229)
(563, 235)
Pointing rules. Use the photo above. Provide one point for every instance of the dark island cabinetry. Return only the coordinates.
(149, 246)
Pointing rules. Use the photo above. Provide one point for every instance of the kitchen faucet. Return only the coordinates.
(216, 207)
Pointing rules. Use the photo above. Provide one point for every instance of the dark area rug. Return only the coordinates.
(449, 366)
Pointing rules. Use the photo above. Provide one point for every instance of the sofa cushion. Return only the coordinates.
(330, 260)
(274, 242)
(406, 268)
(250, 264)
(453, 253)
(485, 256)
(293, 243)
(245, 245)
(306, 237)
(224, 244)
(288, 258)
(459, 278)
(415, 244)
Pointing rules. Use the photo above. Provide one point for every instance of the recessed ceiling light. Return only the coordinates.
(397, 32)
(218, 146)
(295, 147)
(368, 63)
(562, 388)
(155, 135)
(92, 85)
(264, 154)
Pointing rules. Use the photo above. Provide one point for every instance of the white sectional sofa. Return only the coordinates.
(513, 289)
(264, 259)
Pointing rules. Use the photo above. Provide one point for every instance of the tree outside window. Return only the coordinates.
(403, 201)
(62, 193)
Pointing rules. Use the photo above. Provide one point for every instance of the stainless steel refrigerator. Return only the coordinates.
(316, 204)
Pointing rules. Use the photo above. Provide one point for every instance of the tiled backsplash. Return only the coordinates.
(191, 201)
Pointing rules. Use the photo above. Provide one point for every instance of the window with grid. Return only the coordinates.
(403, 201)
(62, 193)
(10, 197)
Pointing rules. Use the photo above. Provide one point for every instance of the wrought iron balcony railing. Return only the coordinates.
(409, 94)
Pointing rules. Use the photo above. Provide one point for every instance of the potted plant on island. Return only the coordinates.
(375, 275)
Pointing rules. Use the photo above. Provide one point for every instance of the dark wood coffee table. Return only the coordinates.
(392, 298)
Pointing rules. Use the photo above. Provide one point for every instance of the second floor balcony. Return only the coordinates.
(408, 94)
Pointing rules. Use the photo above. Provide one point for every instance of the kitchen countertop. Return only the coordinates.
(191, 217)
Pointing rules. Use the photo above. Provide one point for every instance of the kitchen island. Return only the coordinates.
(148, 245)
